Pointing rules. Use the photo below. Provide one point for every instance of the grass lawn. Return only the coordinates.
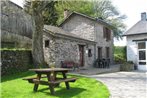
(13, 86)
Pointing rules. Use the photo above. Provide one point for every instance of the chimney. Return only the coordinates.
(143, 16)
(66, 13)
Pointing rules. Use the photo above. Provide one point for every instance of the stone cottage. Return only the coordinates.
(80, 38)
(137, 43)
(60, 45)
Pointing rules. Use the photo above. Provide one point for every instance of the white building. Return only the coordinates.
(137, 43)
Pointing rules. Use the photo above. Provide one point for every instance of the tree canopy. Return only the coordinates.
(104, 9)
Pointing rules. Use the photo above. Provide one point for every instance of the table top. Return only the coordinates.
(50, 70)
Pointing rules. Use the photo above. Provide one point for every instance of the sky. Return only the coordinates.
(131, 8)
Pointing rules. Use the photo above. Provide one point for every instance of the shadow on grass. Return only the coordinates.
(63, 92)
(16, 76)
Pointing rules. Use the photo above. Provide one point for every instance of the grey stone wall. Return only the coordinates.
(15, 61)
(91, 30)
(63, 48)
(80, 26)
(49, 52)
(101, 42)
(18, 40)
(16, 25)
(15, 20)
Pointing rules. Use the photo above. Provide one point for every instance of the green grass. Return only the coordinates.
(14, 87)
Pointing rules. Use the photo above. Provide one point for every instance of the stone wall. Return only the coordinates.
(66, 48)
(15, 20)
(16, 25)
(91, 30)
(80, 26)
(15, 61)
(101, 42)
(49, 52)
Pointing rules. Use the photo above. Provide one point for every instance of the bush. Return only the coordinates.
(119, 54)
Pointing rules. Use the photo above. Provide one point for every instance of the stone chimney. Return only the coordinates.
(66, 13)
(143, 16)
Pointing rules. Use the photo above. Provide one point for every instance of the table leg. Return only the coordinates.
(66, 83)
(51, 86)
(36, 85)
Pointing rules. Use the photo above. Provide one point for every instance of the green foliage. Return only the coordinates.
(53, 12)
(14, 86)
(49, 13)
(119, 54)
(82, 6)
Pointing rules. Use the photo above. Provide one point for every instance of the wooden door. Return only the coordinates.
(81, 54)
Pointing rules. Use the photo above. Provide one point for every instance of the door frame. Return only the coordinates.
(140, 66)
(81, 55)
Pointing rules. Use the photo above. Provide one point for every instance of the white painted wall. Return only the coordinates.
(132, 49)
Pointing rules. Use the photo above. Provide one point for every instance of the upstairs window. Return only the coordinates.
(107, 33)
(47, 43)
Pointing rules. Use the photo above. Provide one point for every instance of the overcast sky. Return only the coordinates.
(131, 8)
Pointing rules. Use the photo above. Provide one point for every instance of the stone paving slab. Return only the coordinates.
(125, 84)
(94, 71)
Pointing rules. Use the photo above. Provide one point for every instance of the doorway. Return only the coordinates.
(142, 56)
(81, 54)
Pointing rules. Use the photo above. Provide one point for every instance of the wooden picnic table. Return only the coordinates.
(51, 75)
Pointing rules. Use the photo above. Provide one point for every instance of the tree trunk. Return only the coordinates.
(37, 43)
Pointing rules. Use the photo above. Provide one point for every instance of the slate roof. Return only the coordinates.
(139, 28)
(83, 15)
(60, 31)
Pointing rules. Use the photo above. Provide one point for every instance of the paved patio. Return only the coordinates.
(125, 84)
(94, 71)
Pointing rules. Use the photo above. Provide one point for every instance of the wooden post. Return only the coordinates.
(66, 83)
(51, 86)
(36, 85)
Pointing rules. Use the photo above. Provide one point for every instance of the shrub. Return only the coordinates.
(119, 54)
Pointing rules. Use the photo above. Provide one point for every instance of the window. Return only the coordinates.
(107, 33)
(89, 53)
(142, 55)
(141, 45)
(47, 43)
(107, 52)
(99, 52)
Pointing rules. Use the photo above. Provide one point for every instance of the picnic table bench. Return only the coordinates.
(51, 75)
